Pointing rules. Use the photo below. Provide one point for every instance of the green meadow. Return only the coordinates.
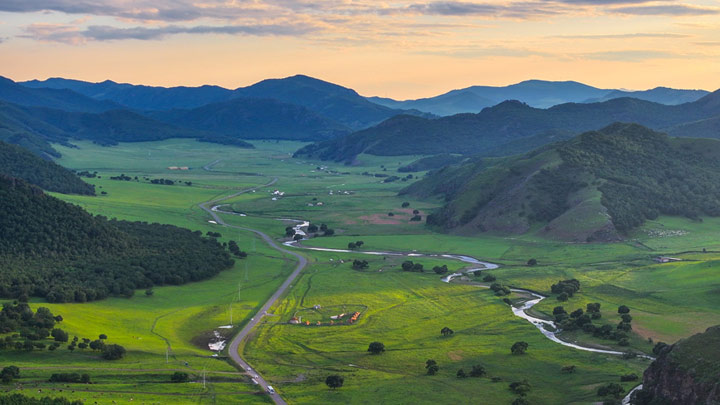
(169, 330)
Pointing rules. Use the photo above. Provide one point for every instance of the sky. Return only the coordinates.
(401, 49)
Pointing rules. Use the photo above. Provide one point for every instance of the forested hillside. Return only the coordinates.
(56, 250)
(507, 128)
(596, 186)
(250, 118)
(21, 163)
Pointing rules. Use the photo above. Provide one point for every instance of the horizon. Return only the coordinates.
(359, 92)
(403, 50)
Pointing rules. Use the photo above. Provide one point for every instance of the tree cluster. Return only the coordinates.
(408, 265)
(565, 289)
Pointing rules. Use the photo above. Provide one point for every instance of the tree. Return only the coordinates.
(9, 373)
(405, 204)
(520, 387)
(329, 232)
(622, 309)
(489, 278)
(82, 345)
(568, 369)
(432, 367)
(461, 374)
(351, 245)
(334, 381)
(180, 377)
(97, 344)
(149, 292)
(297, 237)
(532, 262)
(519, 347)
(360, 264)
(113, 352)
(440, 269)
(289, 231)
(376, 348)
(593, 307)
(59, 335)
(359, 243)
(477, 371)
(520, 401)
(446, 331)
(312, 228)
(102, 336)
(614, 390)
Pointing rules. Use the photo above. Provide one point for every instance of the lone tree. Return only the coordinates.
(532, 262)
(432, 367)
(376, 348)
(334, 381)
(519, 348)
(461, 374)
(622, 309)
(477, 371)
(446, 331)
(9, 373)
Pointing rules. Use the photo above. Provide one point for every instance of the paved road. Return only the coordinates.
(302, 262)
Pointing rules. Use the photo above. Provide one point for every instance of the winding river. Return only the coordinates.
(546, 327)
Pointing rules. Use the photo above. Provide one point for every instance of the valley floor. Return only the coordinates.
(170, 330)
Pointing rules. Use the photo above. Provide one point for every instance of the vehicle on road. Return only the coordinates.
(254, 381)
(270, 390)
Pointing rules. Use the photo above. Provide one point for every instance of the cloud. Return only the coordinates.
(512, 10)
(667, 10)
(622, 36)
(73, 34)
(632, 55)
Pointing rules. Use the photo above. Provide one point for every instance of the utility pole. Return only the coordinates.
(167, 355)
(231, 314)
(203, 374)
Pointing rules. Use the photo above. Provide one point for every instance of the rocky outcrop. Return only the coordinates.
(687, 372)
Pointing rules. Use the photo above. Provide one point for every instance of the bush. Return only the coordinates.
(519, 348)
(70, 378)
(113, 352)
(629, 377)
(376, 348)
(520, 387)
(613, 389)
(180, 377)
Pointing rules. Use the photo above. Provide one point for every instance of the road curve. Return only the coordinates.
(234, 346)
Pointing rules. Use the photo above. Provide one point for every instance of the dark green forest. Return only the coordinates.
(20, 163)
(52, 249)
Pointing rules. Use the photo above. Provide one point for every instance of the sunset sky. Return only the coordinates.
(401, 49)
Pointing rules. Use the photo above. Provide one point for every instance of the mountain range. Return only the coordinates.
(594, 187)
(514, 127)
(535, 93)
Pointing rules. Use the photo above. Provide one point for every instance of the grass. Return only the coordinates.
(403, 310)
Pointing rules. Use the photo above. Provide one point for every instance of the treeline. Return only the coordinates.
(20, 399)
(23, 164)
(56, 250)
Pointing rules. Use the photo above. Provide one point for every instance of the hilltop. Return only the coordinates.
(21, 163)
(594, 187)
(508, 128)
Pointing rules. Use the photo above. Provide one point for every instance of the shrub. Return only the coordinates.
(180, 377)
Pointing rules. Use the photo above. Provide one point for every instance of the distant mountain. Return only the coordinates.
(21, 163)
(139, 97)
(35, 128)
(250, 118)
(662, 95)
(331, 101)
(535, 93)
(507, 128)
(52, 98)
(594, 187)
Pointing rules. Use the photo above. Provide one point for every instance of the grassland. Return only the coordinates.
(404, 310)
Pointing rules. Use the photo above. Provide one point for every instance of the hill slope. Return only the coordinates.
(250, 118)
(56, 250)
(596, 186)
(685, 373)
(21, 163)
(504, 128)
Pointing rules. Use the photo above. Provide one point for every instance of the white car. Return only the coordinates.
(255, 381)
(270, 390)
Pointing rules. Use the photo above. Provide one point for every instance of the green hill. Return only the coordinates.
(596, 186)
(56, 250)
(21, 163)
(507, 128)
